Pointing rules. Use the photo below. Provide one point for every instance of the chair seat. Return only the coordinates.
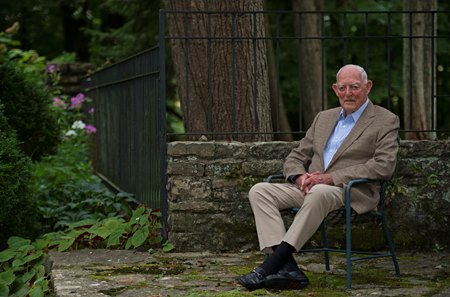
(347, 215)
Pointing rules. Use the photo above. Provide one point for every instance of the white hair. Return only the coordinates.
(359, 68)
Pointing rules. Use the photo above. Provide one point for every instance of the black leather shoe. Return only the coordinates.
(286, 280)
(253, 280)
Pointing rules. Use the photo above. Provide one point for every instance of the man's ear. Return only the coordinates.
(335, 88)
(369, 85)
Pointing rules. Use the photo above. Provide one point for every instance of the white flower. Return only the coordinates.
(78, 125)
(71, 133)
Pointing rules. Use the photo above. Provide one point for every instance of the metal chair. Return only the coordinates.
(379, 213)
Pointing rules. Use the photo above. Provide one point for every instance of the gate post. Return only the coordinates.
(162, 123)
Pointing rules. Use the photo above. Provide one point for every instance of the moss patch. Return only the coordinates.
(155, 269)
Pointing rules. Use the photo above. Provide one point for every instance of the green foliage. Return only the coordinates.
(22, 271)
(249, 181)
(17, 213)
(431, 181)
(40, 22)
(64, 57)
(62, 187)
(26, 106)
(28, 61)
(67, 191)
(142, 229)
(117, 33)
(395, 187)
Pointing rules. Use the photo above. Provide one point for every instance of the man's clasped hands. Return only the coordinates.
(306, 181)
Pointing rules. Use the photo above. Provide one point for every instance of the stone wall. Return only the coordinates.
(208, 185)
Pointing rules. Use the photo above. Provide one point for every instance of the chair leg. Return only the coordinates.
(348, 245)
(325, 245)
(390, 243)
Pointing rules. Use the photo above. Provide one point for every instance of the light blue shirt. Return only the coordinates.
(343, 127)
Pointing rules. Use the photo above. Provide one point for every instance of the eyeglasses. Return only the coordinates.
(353, 88)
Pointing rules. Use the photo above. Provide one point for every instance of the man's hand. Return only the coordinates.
(306, 181)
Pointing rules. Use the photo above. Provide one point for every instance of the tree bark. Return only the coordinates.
(280, 120)
(311, 90)
(418, 69)
(221, 70)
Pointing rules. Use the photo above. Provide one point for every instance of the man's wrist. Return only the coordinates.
(293, 178)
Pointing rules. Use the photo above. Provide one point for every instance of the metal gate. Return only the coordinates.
(129, 149)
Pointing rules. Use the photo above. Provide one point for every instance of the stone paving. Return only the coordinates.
(96, 273)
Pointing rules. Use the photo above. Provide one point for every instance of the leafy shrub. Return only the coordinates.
(27, 108)
(17, 212)
(22, 271)
(28, 61)
(142, 229)
(67, 191)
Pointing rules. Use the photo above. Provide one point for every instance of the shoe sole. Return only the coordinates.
(284, 284)
(251, 288)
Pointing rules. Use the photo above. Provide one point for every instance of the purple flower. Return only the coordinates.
(59, 103)
(91, 110)
(51, 68)
(90, 129)
(77, 101)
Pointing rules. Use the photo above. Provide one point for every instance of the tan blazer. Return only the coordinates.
(369, 151)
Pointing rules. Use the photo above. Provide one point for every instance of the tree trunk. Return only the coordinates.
(311, 86)
(279, 117)
(418, 69)
(222, 73)
(74, 38)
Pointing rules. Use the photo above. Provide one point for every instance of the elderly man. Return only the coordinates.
(355, 140)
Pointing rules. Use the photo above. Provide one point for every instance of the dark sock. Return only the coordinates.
(278, 258)
(291, 265)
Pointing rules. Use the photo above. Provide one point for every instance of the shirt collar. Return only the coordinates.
(356, 114)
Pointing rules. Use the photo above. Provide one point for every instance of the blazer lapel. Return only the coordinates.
(363, 122)
(325, 132)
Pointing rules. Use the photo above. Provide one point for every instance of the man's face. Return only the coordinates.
(351, 90)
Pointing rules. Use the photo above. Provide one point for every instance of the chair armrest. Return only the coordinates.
(348, 187)
(356, 181)
(275, 176)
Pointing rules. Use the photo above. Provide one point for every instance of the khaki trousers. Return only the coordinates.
(267, 199)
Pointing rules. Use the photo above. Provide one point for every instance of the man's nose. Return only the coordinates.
(348, 90)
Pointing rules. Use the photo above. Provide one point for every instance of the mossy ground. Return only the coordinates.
(207, 274)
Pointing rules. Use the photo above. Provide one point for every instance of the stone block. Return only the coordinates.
(231, 150)
(186, 168)
(262, 167)
(188, 188)
(182, 148)
(275, 150)
(225, 168)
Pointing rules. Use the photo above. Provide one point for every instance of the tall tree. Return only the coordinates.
(308, 27)
(74, 17)
(122, 28)
(280, 120)
(418, 68)
(220, 61)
